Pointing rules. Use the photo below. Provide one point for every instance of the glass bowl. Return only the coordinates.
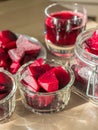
(45, 102)
(7, 94)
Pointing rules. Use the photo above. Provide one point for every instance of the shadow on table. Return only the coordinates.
(75, 100)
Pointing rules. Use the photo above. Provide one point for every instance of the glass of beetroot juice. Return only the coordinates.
(63, 22)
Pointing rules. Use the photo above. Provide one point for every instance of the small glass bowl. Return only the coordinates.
(7, 96)
(37, 101)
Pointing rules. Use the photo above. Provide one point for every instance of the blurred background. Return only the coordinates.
(91, 5)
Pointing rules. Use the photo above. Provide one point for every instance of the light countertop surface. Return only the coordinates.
(27, 17)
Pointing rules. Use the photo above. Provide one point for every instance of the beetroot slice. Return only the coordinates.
(16, 55)
(3, 58)
(37, 71)
(62, 76)
(37, 62)
(7, 36)
(92, 43)
(9, 45)
(48, 81)
(3, 54)
(28, 46)
(14, 67)
(31, 83)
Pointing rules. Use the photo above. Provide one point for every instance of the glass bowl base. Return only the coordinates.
(61, 51)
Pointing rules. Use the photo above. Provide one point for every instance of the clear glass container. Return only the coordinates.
(63, 22)
(45, 102)
(85, 67)
(7, 94)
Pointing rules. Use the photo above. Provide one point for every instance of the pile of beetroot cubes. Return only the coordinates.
(41, 76)
(16, 50)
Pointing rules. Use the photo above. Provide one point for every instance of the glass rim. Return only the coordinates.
(82, 15)
(69, 84)
(72, 3)
(14, 87)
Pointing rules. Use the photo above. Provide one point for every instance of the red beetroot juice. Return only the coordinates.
(63, 27)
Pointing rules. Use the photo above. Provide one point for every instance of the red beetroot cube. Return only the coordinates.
(31, 83)
(62, 76)
(92, 43)
(7, 36)
(14, 67)
(27, 57)
(37, 71)
(37, 62)
(48, 81)
(3, 58)
(3, 54)
(28, 46)
(16, 55)
(9, 45)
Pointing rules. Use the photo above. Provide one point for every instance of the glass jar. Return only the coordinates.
(85, 67)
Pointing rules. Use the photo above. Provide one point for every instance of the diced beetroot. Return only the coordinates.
(91, 50)
(3, 63)
(3, 54)
(5, 84)
(26, 85)
(16, 50)
(36, 71)
(14, 67)
(28, 46)
(7, 36)
(9, 45)
(62, 76)
(31, 83)
(38, 62)
(48, 81)
(3, 58)
(92, 43)
(27, 57)
(16, 55)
